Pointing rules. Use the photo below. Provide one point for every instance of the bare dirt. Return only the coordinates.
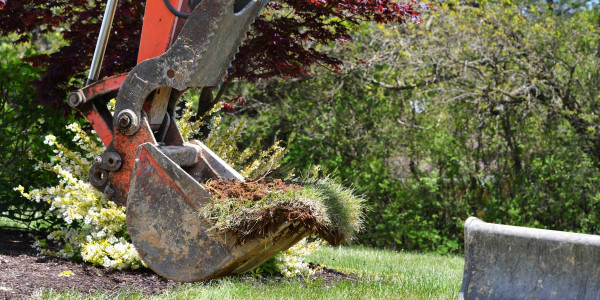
(23, 273)
(261, 223)
(244, 191)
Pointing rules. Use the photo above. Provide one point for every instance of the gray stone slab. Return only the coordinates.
(510, 262)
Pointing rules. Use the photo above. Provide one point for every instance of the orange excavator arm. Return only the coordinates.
(147, 165)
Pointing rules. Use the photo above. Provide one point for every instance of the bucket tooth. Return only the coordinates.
(166, 225)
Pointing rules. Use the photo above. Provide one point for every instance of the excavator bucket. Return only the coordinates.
(510, 262)
(148, 167)
(165, 222)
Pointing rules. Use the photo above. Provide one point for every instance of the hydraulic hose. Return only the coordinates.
(192, 4)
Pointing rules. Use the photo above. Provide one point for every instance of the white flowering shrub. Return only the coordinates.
(292, 262)
(95, 229)
(251, 162)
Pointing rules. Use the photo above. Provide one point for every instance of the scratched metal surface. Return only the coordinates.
(167, 228)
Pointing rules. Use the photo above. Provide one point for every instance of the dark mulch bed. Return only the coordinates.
(330, 276)
(23, 272)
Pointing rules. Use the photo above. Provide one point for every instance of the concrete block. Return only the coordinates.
(510, 262)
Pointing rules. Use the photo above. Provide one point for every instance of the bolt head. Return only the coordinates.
(127, 122)
(75, 99)
(109, 192)
(124, 120)
(113, 161)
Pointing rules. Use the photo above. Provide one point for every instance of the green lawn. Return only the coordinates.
(380, 275)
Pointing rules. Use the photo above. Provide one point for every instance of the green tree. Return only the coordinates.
(487, 110)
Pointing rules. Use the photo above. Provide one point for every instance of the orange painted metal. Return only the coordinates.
(127, 146)
(158, 28)
(89, 110)
(179, 22)
(99, 124)
(103, 87)
(169, 231)
(158, 32)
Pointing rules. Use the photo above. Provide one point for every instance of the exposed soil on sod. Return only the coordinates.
(260, 223)
(23, 272)
(250, 190)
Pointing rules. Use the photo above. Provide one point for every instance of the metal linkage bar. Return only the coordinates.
(109, 14)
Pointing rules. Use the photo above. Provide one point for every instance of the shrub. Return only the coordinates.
(291, 262)
(23, 120)
(95, 229)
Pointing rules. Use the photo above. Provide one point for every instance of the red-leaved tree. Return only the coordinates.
(279, 45)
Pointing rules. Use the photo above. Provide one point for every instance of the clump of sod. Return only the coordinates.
(322, 207)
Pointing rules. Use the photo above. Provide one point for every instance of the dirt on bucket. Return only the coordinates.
(251, 223)
(243, 191)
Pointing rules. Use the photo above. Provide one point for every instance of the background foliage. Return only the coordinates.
(47, 48)
(281, 44)
(486, 108)
(23, 125)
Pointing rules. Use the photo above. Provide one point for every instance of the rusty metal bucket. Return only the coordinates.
(166, 225)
